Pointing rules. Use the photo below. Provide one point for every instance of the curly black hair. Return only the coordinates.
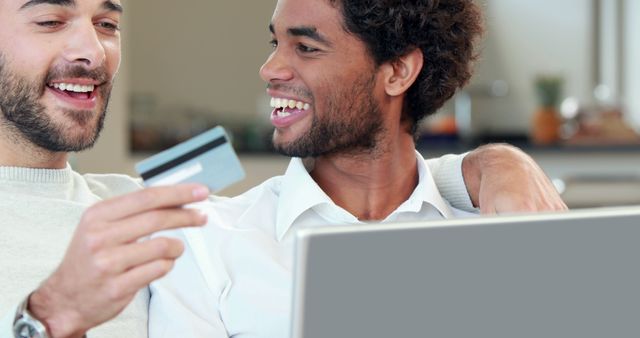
(445, 30)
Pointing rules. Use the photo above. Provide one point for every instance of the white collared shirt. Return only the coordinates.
(235, 276)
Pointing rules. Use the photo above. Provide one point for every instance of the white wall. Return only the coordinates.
(610, 49)
(524, 39)
(632, 61)
(202, 54)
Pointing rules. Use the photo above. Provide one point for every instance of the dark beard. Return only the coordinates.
(333, 133)
(23, 113)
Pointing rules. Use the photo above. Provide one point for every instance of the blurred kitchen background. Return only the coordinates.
(558, 78)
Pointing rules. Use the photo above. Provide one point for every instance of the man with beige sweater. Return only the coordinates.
(70, 257)
(58, 60)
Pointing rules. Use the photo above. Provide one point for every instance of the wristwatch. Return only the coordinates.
(25, 325)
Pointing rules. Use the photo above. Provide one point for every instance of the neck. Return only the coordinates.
(370, 186)
(15, 151)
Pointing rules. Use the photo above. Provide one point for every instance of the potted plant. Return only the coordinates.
(546, 119)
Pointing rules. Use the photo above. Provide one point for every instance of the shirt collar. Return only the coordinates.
(426, 192)
(299, 193)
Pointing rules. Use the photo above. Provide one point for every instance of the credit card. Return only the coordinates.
(207, 159)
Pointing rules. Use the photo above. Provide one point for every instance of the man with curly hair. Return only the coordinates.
(349, 81)
(71, 258)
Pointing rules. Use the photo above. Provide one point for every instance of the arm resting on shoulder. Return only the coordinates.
(498, 178)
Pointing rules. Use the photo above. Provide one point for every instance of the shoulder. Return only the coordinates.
(233, 212)
(110, 185)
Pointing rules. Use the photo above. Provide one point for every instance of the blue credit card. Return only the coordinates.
(208, 159)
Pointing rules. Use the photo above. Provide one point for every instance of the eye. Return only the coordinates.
(273, 43)
(306, 49)
(108, 26)
(49, 23)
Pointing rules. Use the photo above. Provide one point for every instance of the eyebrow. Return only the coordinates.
(305, 31)
(63, 3)
(108, 5)
(112, 6)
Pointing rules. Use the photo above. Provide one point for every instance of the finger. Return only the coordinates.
(139, 277)
(558, 204)
(487, 208)
(551, 201)
(123, 258)
(145, 200)
(147, 223)
(488, 212)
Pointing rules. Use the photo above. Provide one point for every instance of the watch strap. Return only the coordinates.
(25, 325)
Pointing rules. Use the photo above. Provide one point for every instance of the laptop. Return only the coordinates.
(570, 275)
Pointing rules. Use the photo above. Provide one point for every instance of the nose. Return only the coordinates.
(276, 68)
(85, 46)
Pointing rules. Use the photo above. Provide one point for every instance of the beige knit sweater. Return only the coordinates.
(39, 210)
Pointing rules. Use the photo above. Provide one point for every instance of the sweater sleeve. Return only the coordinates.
(447, 173)
(6, 323)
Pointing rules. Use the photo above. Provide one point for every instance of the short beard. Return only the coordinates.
(352, 123)
(22, 112)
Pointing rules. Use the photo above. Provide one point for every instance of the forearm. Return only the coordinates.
(501, 178)
(46, 305)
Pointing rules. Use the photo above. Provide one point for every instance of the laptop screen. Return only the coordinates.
(556, 275)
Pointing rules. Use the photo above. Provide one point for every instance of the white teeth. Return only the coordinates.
(74, 87)
(286, 103)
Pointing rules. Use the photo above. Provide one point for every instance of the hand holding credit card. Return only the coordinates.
(207, 159)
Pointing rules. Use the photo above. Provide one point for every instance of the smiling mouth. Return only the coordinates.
(286, 107)
(76, 91)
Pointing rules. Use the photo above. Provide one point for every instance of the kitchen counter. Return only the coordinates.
(588, 176)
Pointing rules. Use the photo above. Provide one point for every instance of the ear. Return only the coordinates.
(400, 74)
